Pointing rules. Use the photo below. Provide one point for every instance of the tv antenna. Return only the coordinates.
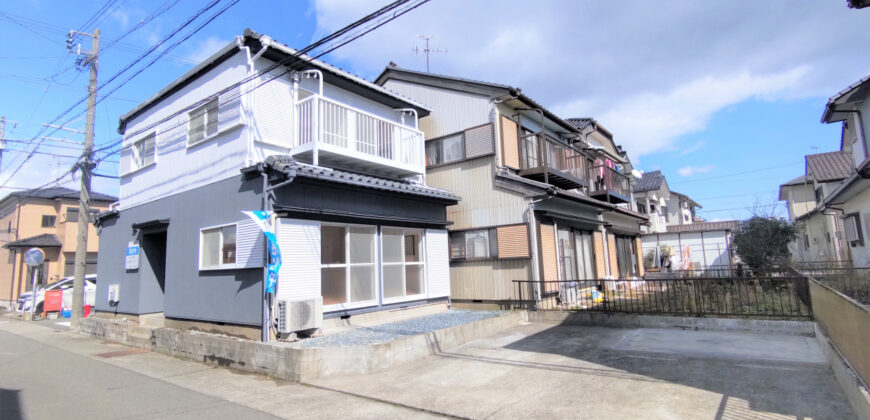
(426, 50)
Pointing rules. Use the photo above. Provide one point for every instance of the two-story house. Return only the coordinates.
(543, 197)
(836, 227)
(676, 238)
(820, 231)
(47, 219)
(339, 162)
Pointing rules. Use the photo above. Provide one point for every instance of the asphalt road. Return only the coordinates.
(39, 381)
(47, 372)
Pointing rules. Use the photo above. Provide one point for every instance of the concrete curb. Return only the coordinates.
(853, 388)
(787, 327)
(284, 360)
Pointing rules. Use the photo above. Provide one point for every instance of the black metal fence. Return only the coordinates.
(852, 282)
(777, 296)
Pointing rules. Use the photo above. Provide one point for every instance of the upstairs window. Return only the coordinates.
(48, 221)
(445, 150)
(203, 122)
(143, 152)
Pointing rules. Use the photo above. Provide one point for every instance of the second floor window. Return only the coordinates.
(48, 221)
(143, 152)
(203, 122)
(445, 150)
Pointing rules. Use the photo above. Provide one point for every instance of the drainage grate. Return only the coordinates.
(121, 353)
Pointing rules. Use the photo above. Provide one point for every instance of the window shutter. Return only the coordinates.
(249, 244)
(437, 263)
(478, 141)
(548, 256)
(513, 241)
(509, 143)
(229, 108)
(299, 277)
(197, 124)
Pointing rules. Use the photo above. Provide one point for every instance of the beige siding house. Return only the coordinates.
(46, 219)
(544, 198)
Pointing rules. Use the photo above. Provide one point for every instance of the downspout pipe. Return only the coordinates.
(267, 204)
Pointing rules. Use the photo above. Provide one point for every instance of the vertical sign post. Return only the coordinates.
(33, 258)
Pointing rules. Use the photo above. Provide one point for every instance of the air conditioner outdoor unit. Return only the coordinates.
(299, 315)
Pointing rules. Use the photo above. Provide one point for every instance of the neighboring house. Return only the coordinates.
(837, 227)
(664, 206)
(820, 230)
(675, 227)
(543, 198)
(340, 161)
(48, 219)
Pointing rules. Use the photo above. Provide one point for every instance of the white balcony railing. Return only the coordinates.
(330, 125)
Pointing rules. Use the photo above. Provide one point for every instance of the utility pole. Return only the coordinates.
(85, 166)
(426, 50)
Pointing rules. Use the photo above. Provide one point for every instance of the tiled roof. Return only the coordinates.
(288, 165)
(651, 180)
(580, 123)
(705, 226)
(45, 240)
(831, 166)
(60, 192)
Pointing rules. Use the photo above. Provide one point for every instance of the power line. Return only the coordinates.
(185, 24)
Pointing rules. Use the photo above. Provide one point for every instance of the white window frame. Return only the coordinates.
(348, 265)
(204, 109)
(422, 263)
(220, 266)
(135, 157)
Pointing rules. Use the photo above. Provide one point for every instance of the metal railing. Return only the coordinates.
(607, 179)
(326, 121)
(757, 297)
(852, 282)
(541, 151)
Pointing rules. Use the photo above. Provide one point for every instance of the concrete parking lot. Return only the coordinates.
(550, 371)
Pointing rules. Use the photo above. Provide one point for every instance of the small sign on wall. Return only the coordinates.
(132, 259)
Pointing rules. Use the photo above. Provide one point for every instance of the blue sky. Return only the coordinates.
(700, 90)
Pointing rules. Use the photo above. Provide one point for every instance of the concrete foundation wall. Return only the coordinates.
(287, 360)
(847, 323)
(853, 388)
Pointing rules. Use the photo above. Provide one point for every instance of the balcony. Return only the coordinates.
(546, 160)
(609, 185)
(333, 134)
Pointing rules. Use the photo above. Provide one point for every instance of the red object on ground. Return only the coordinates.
(53, 301)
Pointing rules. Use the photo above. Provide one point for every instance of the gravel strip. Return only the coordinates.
(392, 331)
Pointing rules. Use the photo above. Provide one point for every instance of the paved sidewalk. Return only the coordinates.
(51, 374)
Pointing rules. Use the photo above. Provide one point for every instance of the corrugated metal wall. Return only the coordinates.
(487, 280)
(452, 111)
(482, 204)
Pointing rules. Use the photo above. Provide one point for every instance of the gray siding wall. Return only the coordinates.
(232, 296)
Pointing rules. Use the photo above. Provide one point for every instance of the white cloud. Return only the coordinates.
(122, 17)
(692, 170)
(693, 148)
(649, 72)
(206, 48)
